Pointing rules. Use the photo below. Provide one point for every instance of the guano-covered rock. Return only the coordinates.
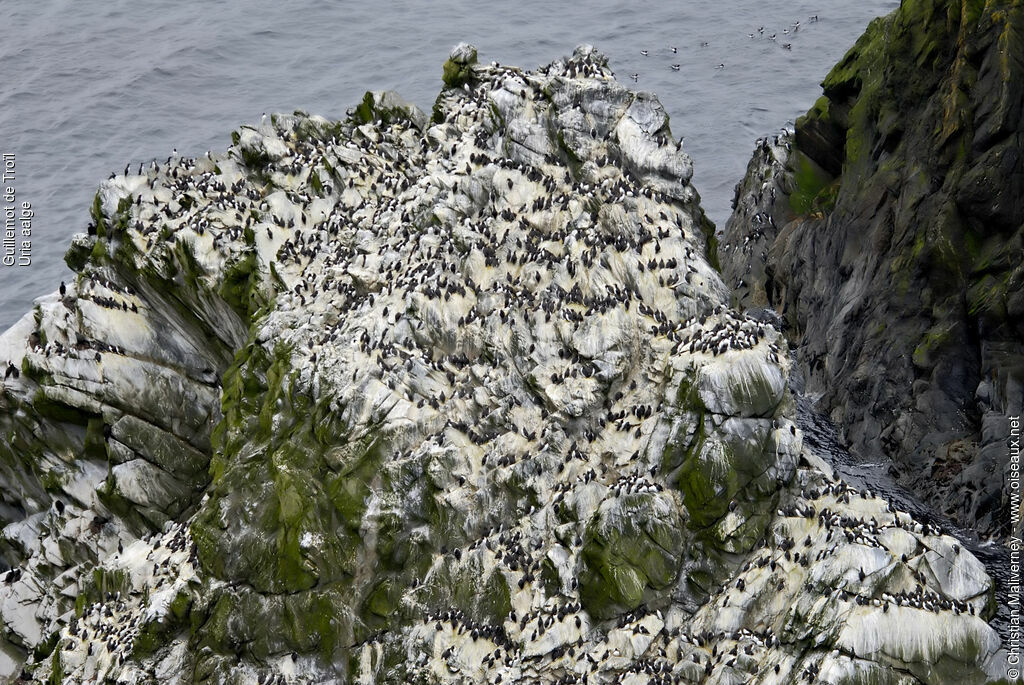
(458, 399)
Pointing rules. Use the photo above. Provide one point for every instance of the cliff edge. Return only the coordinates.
(887, 231)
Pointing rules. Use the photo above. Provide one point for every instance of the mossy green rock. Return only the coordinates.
(633, 549)
(459, 67)
(387, 107)
(273, 546)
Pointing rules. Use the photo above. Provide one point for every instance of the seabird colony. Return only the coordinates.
(515, 297)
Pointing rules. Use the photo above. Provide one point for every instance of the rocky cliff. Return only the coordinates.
(887, 230)
(446, 398)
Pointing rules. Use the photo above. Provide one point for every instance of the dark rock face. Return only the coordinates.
(887, 231)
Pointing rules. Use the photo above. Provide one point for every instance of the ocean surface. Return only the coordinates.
(88, 87)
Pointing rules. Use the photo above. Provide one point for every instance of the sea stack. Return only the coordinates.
(457, 397)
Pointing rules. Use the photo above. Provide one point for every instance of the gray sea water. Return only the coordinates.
(87, 86)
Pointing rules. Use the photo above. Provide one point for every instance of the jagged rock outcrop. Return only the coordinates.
(458, 399)
(887, 231)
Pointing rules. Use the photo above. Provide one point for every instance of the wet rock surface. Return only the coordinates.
(454, 398)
